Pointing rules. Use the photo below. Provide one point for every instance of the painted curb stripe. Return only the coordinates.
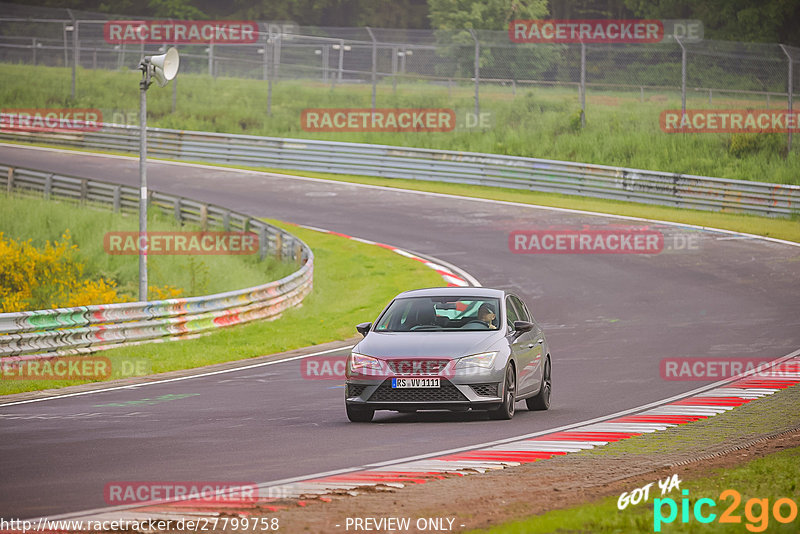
(452, 279)
(727, 396)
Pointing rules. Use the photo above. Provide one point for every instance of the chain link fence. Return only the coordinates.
(761, 75)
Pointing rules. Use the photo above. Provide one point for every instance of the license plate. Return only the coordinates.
(401, 383)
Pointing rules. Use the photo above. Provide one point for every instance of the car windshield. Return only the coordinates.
(448, 314)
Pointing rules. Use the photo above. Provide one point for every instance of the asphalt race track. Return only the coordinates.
(610, 319)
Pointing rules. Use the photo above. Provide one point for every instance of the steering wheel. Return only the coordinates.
(478, 321)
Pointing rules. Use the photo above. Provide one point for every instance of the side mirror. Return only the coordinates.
(520, 327)
(363, 328)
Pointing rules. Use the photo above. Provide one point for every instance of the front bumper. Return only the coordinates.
(379, 394)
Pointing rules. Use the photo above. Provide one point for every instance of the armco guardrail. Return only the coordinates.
(619, 183)
(46, 333)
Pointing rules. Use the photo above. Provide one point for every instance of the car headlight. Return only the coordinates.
(484, 359)
(359, 363)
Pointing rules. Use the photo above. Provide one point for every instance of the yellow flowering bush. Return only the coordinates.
(53, 277)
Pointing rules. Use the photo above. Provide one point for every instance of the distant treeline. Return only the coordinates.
(774, 21)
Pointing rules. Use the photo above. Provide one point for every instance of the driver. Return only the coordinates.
(486, 315)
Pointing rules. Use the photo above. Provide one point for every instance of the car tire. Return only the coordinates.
(506, 410)
(359, 414)
(541, 401)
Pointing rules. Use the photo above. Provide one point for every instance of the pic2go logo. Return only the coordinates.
(756, 511)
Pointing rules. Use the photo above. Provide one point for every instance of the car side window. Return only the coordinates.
(523, 311)
(511, 313)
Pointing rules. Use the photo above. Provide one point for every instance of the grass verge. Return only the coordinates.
(771, 477)
(352, 283)
(24, 217)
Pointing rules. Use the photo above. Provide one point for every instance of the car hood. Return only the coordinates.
(426, 344)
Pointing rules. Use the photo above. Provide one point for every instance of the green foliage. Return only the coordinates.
(458, 15)
(575, 121)
(742, 145)
(770, 21)
(23, 218)
(175, 9)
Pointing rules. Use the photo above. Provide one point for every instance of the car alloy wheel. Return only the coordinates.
(542, 399)
(506, 410)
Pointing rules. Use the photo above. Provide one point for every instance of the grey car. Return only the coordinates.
(450, 348)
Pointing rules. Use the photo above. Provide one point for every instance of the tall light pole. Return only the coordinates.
(163, 68)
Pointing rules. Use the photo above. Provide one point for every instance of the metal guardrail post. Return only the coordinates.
(204, 217)
(117, 200)
(48, 186)
(10, 182)
(263, 242)
(279, 247)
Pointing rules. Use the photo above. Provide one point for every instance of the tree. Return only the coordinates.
(452, 20)
(768, 21)
(457, 15)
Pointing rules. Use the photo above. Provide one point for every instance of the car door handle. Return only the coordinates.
(531, 345)
(540, 341)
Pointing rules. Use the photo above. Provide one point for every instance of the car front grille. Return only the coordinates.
(354, 390)
(485, 390)
(416, 366)
(446, 393)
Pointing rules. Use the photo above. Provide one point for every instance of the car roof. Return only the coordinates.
(453, 292)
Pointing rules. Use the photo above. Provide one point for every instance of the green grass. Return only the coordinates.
(24, 217)
(537, 122)
(771, 477)
(352, 283)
